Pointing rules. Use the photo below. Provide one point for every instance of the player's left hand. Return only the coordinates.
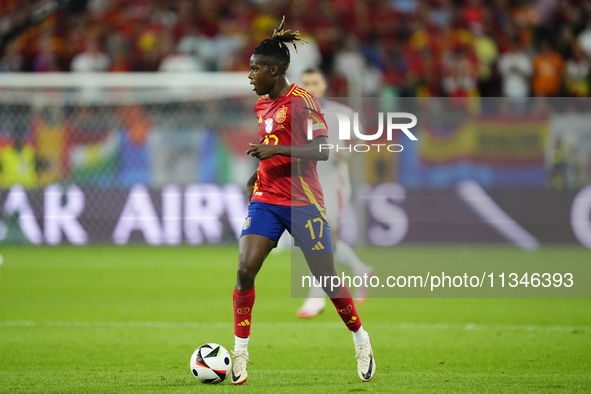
(261, 151)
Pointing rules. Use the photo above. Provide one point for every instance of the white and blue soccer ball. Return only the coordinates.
(211, 363)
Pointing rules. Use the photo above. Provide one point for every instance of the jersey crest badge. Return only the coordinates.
(268, 125)
(281, 114)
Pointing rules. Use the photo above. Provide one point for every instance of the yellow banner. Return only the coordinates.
(487, 141)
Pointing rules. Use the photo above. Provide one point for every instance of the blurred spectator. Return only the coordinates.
(577, 74)
(459, 73)
(121, 62)
(568, 13)
(263, 22)
(544, 8)
(585, 39)
(178, 61)
(442, 14)
(350, 64)
(12, 61)
(500, 15)
(91, 60)
(306, 57)
(18, 164)
(47, 58)
(473, 13)
(565, 42)
(524, 14)
(421, 37)
(558, 173)
(200, 45)
(150, 46)
(76, 38)
(427, 84)
(119, 48)
(50, 135)
(486, 52)
(323, 26)
(134, 162)
(450, 39)
(382, 18)
(548, 68)
(515, 68)
(165, 15)
(98, 7)
(404, 6)
(394, 63)
(228, 43)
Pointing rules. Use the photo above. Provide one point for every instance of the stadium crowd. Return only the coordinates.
(425, 48)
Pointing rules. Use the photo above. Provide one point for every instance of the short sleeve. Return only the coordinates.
(307, 117)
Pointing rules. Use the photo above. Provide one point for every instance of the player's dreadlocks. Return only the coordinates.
(275, 48)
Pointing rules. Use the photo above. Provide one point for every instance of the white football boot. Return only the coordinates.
(239, 372)
(366, 365)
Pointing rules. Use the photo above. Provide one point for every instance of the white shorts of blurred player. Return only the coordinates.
(337, 194)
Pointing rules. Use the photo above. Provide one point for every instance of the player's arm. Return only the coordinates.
(310, 151)
(250, 184)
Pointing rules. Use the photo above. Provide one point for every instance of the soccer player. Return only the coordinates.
(285, 194)
(336, 186)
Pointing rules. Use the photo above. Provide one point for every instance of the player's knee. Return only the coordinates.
(245, 273)
(245, 276)
(331, 292)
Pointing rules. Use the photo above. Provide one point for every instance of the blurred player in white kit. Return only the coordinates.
(336, 186)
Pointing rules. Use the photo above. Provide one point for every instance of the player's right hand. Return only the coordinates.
(262, 151)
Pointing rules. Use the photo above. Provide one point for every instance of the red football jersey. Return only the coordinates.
(284, 121)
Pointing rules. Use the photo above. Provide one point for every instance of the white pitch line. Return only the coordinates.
(271, 325)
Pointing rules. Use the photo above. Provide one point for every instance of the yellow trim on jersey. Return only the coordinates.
(308, 98)
(309, 193)
(306, 101)
(301, 93)
(311, 104)
(293, 86)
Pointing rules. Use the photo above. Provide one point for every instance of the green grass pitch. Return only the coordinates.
(112, 319)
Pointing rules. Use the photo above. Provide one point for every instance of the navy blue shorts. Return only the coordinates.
(306, 224)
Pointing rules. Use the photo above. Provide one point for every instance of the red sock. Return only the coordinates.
(343, 301)
(243, 302)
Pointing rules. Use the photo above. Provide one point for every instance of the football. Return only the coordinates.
(211, 363)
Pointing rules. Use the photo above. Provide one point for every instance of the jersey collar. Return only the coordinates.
(291, 89)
